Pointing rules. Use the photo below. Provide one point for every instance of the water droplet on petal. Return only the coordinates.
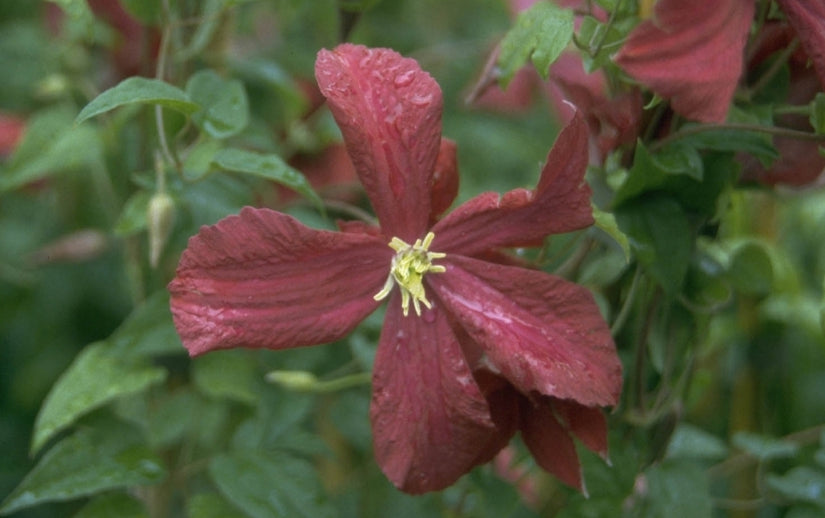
(404, 79)
(421, 100)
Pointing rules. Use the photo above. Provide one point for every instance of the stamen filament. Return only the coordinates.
(408, 267)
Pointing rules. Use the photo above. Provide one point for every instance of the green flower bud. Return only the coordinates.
(160, 218)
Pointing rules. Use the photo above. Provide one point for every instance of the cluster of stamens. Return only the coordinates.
(407, 270)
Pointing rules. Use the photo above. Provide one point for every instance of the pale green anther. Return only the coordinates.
(407, 270)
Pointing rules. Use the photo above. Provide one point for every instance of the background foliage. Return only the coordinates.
(713, 286)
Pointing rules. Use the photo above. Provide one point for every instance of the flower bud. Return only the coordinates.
(160, 217)
(301, 381)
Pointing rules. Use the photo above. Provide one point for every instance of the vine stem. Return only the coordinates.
(160, 69)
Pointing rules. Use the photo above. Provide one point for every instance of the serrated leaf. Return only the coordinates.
(607, 222)
(271, 167)
(266, 484)
(113, 504)
(95, 377)
(540, 34)
(93, 459)
(763, 447)
(225, 108)
(138, 90)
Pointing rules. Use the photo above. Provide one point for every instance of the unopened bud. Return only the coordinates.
(301, 381)
(160, 217)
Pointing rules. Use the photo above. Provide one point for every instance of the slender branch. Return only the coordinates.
(621, 318)
(775, 67)
(160, 69)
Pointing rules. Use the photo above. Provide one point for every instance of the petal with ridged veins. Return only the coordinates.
(691, 52)
(263, 279)
(540, 332)
(389, 112)
(560, 203)
(430, 420)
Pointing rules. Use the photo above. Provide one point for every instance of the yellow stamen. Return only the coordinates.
(408, 267)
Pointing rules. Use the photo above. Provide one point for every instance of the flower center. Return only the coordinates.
(407, 270)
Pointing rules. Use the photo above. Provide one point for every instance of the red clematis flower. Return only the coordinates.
(463, 339)
(691, 52)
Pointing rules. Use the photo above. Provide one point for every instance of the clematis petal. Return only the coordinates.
(540, 332)
(445, 179)
(587, 424)
(389, 111)
(691, 52)
(550, 443)
(807, 17)
(430, 421)
(263, 279)
(560, 203)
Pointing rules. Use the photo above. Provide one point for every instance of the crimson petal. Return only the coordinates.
(430, 421)
(542, 333)
(691, 52)
(550, 443)
(560, 203)
(808, 20)
(588, 424)
(263, 279)
(445, 179)
(389, 112)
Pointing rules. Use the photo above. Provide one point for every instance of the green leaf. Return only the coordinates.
(138, 90)
(227, 374)
(540, 34)
(148, 331)
(79, 11)
(756, 143)
(132, 218)
(763, 447)
(268, 484)
(607, 222)
(675, 489)
(691, 442)
(751, 269)
(94, 459)
(271, 167)
(225, 106)
(661, 238)
(96, 376)
(198, 162)
(211, 505)
(654, 171)
(51, 146)
(113, 504)
(800, 484)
